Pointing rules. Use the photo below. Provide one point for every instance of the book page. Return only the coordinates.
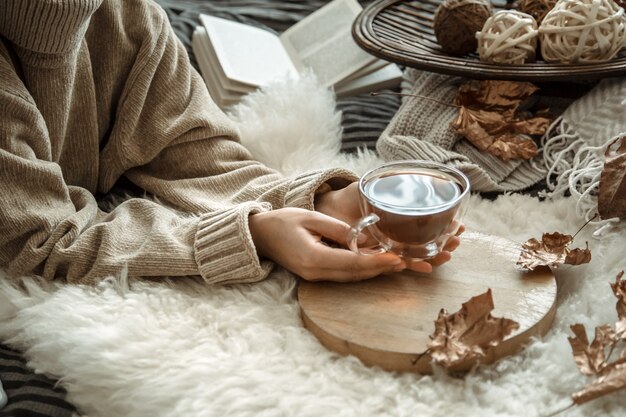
(205, 47)
(323, 41)
(389, 76)
(247, 54)
(366, 70)
(221, 97)
(209, 51)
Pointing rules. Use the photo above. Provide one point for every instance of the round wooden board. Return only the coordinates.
(386, 321)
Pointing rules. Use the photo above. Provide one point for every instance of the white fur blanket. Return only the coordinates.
(181, 348)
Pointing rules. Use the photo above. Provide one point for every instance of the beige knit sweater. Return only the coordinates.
(93, 91)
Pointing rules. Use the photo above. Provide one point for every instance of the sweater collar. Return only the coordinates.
(46, 26)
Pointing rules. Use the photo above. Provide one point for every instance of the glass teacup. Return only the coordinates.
(411, 208)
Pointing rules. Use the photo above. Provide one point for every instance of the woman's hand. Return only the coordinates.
(292, 237)
(343, 204)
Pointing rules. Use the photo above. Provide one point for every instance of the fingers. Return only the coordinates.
(328, 227)
(345, 266)
(452, 244)
(336, 230)
(337, 264)
(323, 262)
(427, 266)
(420, 266)
(440, 259)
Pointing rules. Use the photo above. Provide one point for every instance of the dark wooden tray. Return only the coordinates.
(402, 32)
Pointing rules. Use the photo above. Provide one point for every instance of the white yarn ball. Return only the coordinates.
(582, 31)
(508, 37)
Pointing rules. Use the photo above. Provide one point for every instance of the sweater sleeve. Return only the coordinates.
(176, 144)
(171, 139)
(57, 231)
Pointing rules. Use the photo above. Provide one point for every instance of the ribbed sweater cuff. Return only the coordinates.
(303, 188)
(224, 249)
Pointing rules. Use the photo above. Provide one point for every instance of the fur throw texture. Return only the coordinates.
(178, 347)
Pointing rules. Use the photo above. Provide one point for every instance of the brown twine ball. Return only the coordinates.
(508, 37)
(583, 31)
(536, 8)
(456, 23)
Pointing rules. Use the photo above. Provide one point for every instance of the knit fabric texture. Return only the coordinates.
(94, 92)
(421, 130)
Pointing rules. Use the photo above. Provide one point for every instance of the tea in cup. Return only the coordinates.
(411, 208)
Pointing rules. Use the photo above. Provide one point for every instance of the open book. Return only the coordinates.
(235, 58)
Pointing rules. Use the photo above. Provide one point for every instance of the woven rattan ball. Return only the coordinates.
(538, 9)
(508, 37)
(582, 31)
(456, 23)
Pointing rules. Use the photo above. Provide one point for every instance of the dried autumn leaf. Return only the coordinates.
(591, 358)
(612, 379)
(551, 251)
(612, 189)
(490, 119)
(578, 256)
(468, 333)
(504, 96)
(536, 125)
(507, 145)
(619, 289)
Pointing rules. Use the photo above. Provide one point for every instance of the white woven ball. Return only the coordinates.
(508, 37)
(583, 31)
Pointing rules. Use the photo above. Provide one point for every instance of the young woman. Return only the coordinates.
(98, 92)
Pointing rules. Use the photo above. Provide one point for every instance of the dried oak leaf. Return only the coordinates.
(619, 289)
(490, 118)
(612, 189)
(468, 333)
(552, 251)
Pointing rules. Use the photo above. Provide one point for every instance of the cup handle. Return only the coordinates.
(355, 231)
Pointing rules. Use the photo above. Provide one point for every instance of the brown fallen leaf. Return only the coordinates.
(468, 333)
(619, 289)
(594, 358)
(591, 358)
(490, 119)
(612, 189)
(505, 96)
(578, 256)
(505, 146)
(552, 251)
(610, 381)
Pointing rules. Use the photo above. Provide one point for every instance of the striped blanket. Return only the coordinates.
(30, 395)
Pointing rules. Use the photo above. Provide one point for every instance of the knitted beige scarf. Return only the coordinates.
(421, 130)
